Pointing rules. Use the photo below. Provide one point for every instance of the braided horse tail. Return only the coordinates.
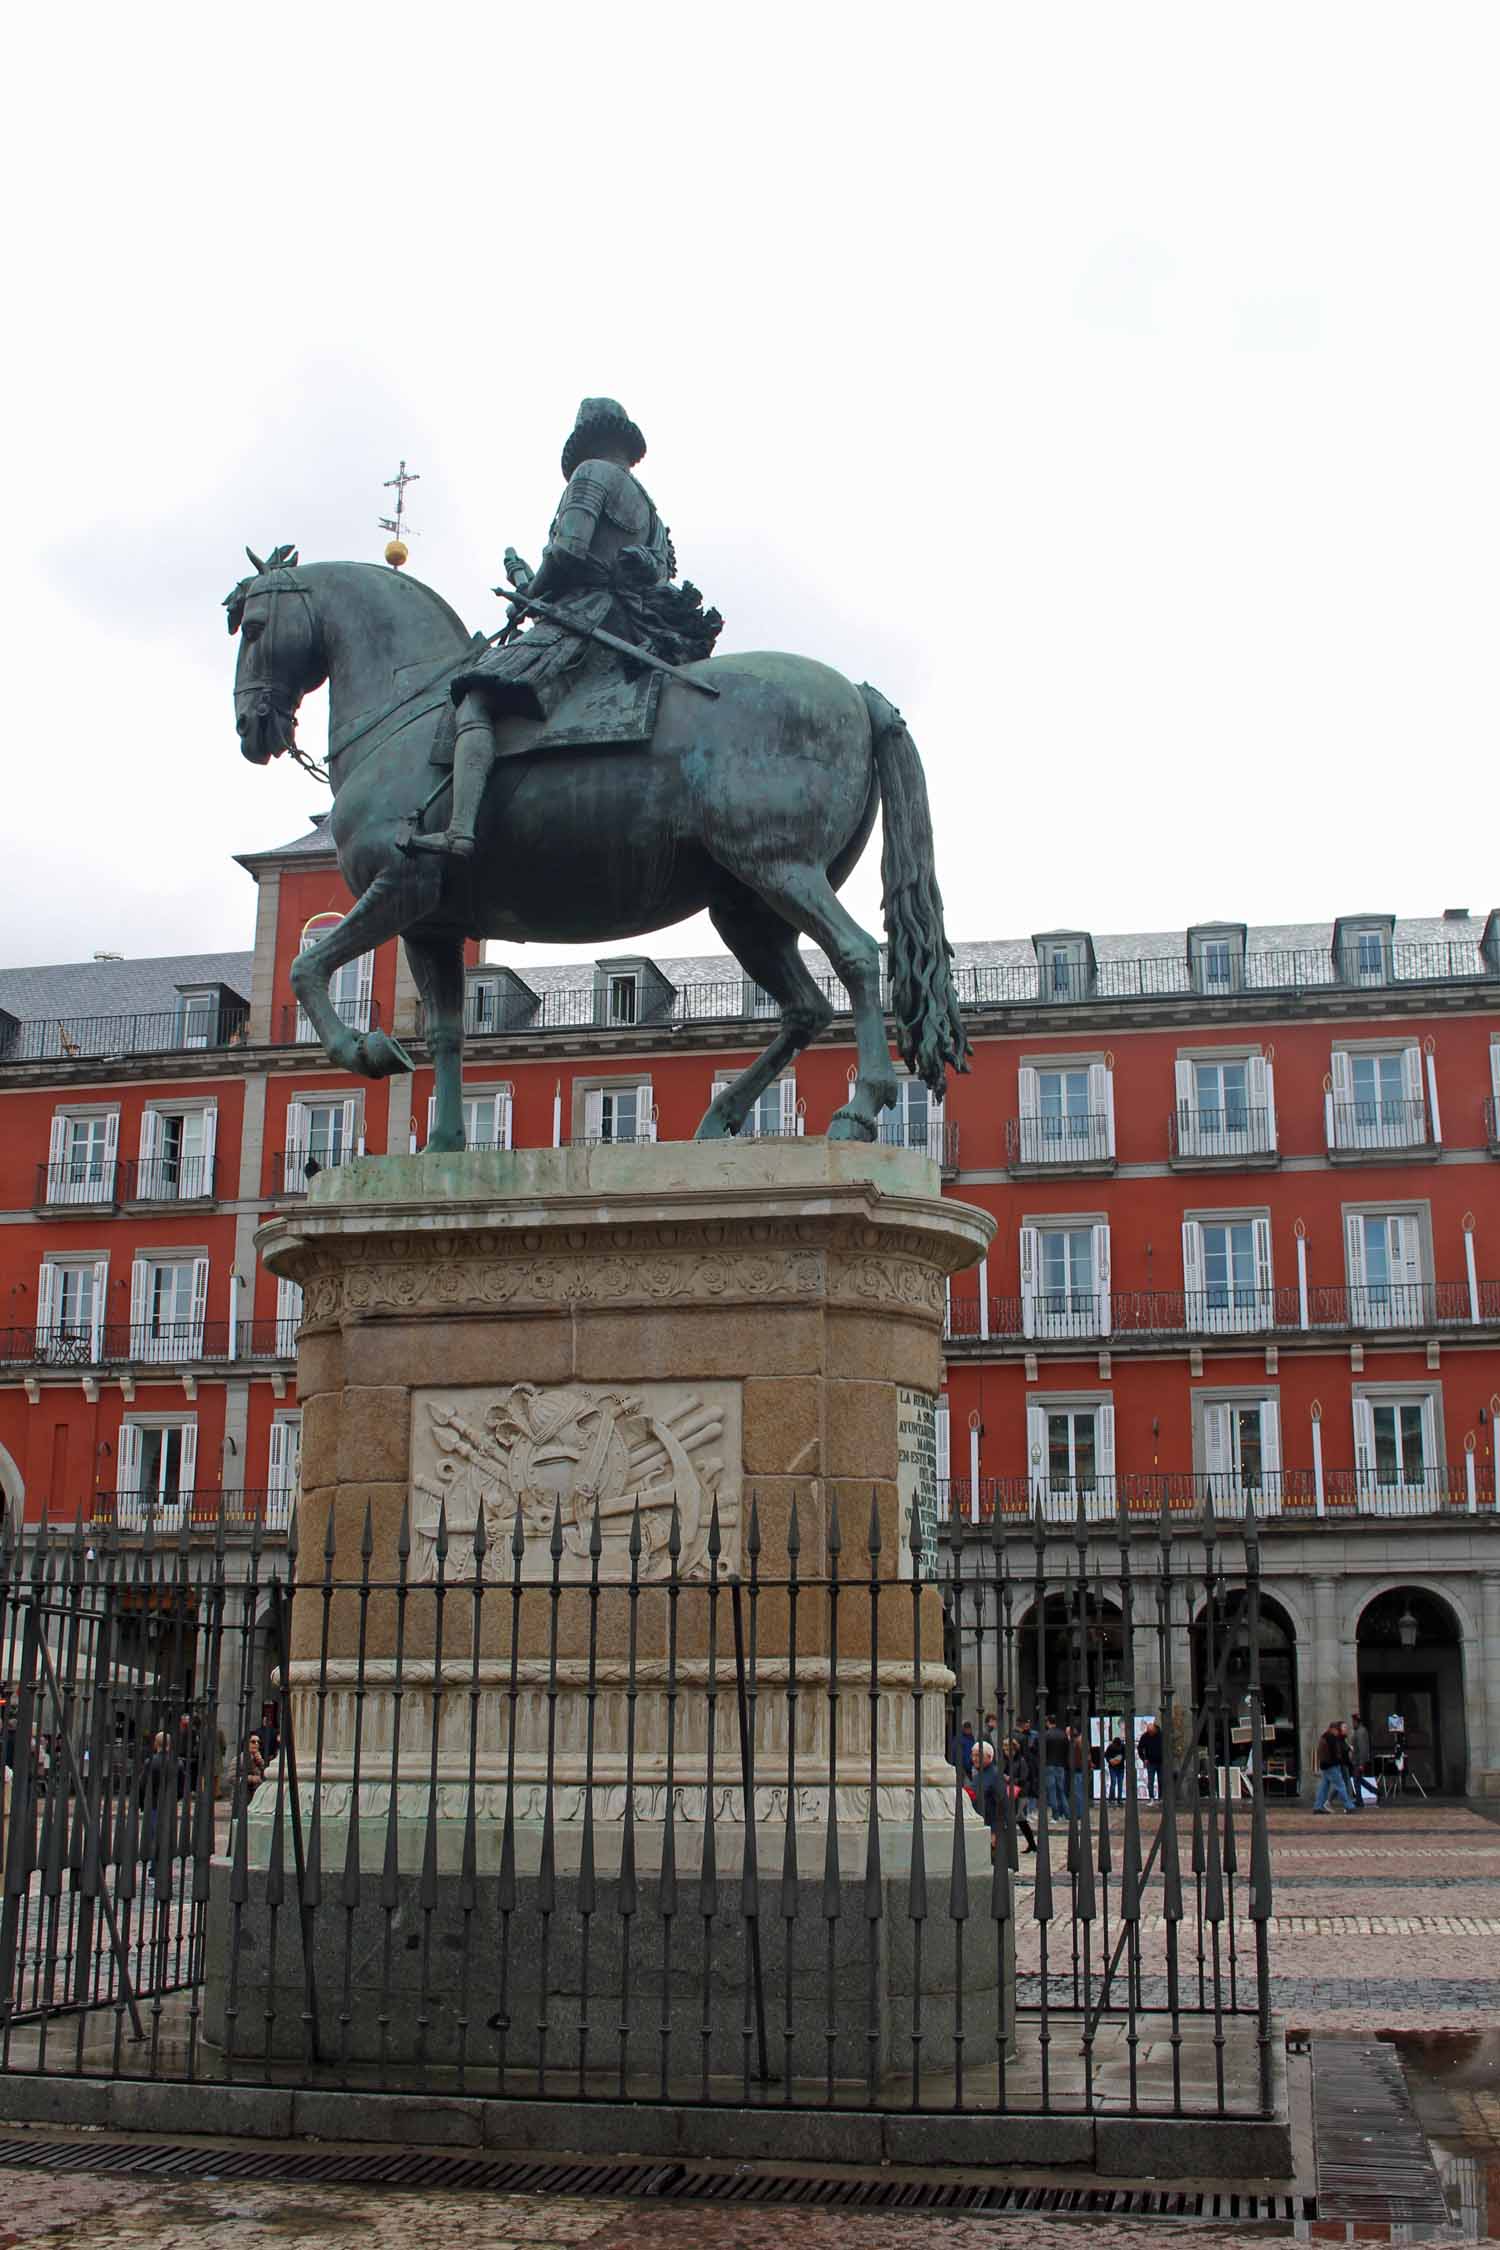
(929, 1030)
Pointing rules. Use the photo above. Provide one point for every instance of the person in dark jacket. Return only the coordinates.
(1149, 1749)
(1019, 1777)
(1056, 1746)
(1333, 1753)
(1114, 1761)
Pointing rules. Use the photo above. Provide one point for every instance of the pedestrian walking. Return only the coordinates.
(1332, 1753)
(1056, 1746)
(1114, 1762)
(1020, 1779)
(1149, 1748)
(1360, 1758)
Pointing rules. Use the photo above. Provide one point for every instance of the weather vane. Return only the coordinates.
(396, 549)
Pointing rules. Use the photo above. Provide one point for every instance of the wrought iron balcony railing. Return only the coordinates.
(102, 1038)
(289, 1167)
(1232, 1132)
(76, 1344)
(1058, 1141)
(78, 1180)
(170, 1179)
(1126, 1314)
(1377, 1125)
(297, 1028)
(937, 1139)
(200, 1512)
(1182, 1497)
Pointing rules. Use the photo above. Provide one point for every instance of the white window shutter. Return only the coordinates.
(593, 1114)
(1192, 1271)
(351, 1141)
(189, 1470)
(1495, 1082)
(111, 1154)
(128, 1459)
(935, 1128)
(645, 1123)
(1028, 1093)
(1218, 1461)
(1104, 1448)
(1264, 1277)
(140, 1303)
(1364, 1444)
(1406, 1260)
(431, 1114)
(210, 1143)
(1343, 1127)
(1101, 1111)
(101, 1308)
(941, 1440)
(46, 1299)
(200, 1306)
(1270, 1447)
(1262, 1103)
(150, 1134)
(1270, 1071)
(1354, 1249)
(366, 988)
(503, 1107)
(1031, 1261)
(1432, 1468)
(1411, 1078)
(296, 1146)
(57, 1144)
(1101, 1276)
(789, 1107)
(276, 1459)
(1036, 1450)
(1187, 1094)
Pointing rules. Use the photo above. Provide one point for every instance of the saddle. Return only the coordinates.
(602, 708)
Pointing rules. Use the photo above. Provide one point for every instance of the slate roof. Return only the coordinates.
(118, 988)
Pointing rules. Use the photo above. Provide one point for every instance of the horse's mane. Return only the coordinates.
(389, 577)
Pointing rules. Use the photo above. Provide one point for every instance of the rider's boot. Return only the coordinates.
(473, 763)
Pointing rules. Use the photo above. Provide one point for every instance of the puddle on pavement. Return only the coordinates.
(1454, 2077)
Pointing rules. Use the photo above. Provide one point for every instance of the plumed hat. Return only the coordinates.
(601, 418)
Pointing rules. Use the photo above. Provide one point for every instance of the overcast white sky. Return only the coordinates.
(1115, 387)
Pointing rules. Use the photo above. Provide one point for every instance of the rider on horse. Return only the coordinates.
(608, 562)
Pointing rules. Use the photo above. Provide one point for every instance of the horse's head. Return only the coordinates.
(281, 653)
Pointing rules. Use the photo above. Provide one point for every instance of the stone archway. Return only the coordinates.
(1278, 1685)
(1410, 1643)
(12, 1490)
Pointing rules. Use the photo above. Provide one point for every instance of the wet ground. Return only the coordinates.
(1386, 1932)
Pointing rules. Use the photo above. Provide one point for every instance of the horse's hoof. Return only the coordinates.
(846, 1125)
(380, 1056)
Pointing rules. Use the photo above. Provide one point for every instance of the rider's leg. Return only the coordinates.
(473, 763)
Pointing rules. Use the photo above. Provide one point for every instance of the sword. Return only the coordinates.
(560, 618)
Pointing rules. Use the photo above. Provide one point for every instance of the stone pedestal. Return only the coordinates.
(561, 1411)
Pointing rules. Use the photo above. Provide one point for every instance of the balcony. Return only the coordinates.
(1152, 1315)
(109, 1038)
(200, 1513)
(935, 1139)
(297, 1029)
(1237, 1136)
(288, 1167)
(1055, 1144)
(85, 1182)
(169, 1179)
(1377, 1128)
(70, 1347)
(1180, 1499)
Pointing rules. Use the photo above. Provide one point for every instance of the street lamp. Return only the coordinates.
(1406, 1628)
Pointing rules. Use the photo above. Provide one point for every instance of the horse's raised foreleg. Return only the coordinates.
(381, 912)
(766, 948)
(804, 897)
(437, 963)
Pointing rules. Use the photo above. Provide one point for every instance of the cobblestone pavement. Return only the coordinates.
(1397, 1931)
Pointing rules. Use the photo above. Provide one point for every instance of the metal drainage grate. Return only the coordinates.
(670, 2182)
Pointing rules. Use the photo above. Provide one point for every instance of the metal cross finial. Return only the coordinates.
(400, 480)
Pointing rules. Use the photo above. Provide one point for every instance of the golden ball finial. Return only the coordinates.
(396, 553)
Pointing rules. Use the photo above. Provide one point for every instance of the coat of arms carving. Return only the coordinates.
(545, 1455)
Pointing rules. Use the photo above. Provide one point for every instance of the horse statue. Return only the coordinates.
(754, 802)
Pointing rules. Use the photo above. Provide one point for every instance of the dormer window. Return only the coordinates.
(1216, 958)
(197, 1017)
(624, 1000)
(1362, 948)
(1065, 965)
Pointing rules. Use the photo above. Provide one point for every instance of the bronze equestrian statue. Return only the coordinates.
(609, 776)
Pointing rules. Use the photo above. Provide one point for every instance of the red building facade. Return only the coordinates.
(1246, 1186)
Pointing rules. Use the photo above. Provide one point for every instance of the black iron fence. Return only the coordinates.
(656, 1809)
(102, 1038)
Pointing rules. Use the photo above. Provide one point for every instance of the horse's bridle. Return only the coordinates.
(283, 580)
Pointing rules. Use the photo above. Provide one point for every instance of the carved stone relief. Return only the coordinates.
(545, 1457)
